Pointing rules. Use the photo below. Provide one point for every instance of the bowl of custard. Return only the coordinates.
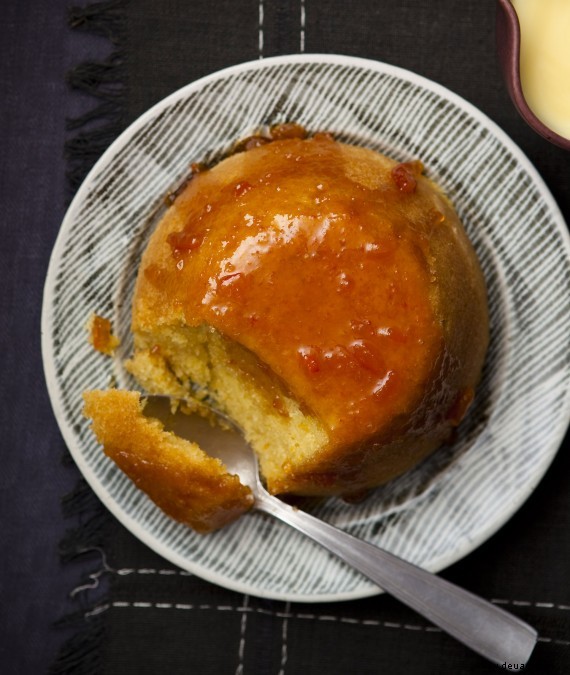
(533, 44)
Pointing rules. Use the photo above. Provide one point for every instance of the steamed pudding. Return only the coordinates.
(325, 297)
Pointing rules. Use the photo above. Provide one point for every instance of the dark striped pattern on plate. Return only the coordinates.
(451, 503)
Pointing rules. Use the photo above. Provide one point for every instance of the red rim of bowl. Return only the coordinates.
(508, 37)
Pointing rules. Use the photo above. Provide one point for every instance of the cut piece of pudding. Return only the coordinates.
(183, 481)
(327, 299)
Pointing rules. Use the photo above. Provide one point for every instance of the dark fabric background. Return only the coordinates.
(136, 613)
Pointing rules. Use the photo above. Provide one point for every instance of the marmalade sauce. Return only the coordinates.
(325, 279)
(101, 335)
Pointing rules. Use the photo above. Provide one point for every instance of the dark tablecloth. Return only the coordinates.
(118, 606)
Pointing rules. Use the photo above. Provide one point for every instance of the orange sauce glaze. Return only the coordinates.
(326, 280)
(101, 335)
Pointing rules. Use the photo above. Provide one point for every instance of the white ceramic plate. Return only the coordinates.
(444, 509)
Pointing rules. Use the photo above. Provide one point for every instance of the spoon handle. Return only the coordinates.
(485, 628)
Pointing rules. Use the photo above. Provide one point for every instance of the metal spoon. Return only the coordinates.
(485, 628)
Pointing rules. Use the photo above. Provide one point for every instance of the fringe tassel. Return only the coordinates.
(105, 81)
(93, 521)
(102, 80)
(93, 132)
(83, 150)
(81, 654)
(88, 536)
(101, 18)
(80, 500)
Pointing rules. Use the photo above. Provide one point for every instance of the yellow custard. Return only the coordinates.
(545, 60)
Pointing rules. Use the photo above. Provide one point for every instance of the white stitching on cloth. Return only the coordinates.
(302, 28)
(243, 626)
(170, 572)
(554, 642)
(246, 609)
(146, 570)
(260, 30)
(93, 584)
(94, 576)
(526, 603)
(284, 628)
